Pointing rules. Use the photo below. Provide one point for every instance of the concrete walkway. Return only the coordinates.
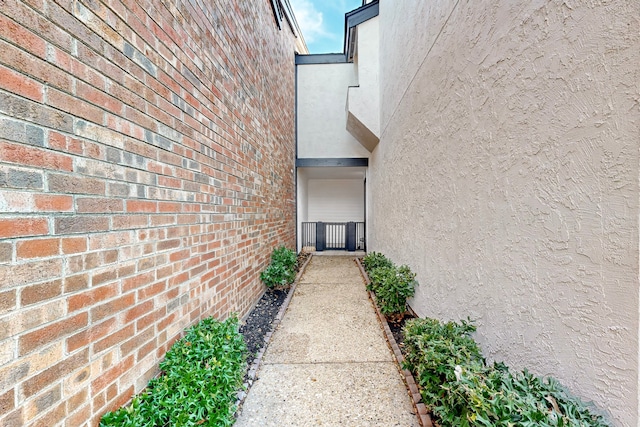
(328, 363)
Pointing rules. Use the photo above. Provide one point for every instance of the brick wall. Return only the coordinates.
(146, 157)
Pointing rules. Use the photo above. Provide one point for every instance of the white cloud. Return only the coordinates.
(311, 20)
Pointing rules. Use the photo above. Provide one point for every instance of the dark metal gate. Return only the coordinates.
(323, 236)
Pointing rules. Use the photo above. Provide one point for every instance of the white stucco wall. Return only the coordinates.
(364, 100)
(414, 26)
(322, 118)
(507, 177)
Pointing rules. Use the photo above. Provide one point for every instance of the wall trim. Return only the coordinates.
(332, 162)
(321, 58)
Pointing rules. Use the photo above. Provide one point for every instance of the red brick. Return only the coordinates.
(59, 183)
(138, 311)
(137, 281)
(7, 402)
(61, 369)
(179, 255)
(53, 203)
(76, 283)
(21, 227)
(150, 318)
(41, 292)
(50, 333)
(141, 206)
(76, 401)
(22, 61)
(105, 276)
(7, 301)
(6, 252)
(20, 84)
(91, 297)
(74, 245)
(137, 341)
(103, 166)
(112, 307)
(109, 376)
(79, 418)
(51, 417)
(168, 244)
(109, 257)
(94, 333)
(31, 272)
(38, 248)
(81, 224)
(94, 205)
(10, 30)
(127, 222)
(113, 339)
(32, 156)
(99, 98)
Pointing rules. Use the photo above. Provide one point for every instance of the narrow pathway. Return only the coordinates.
(328, 363)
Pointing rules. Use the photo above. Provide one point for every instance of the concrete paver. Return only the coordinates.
(328, 363)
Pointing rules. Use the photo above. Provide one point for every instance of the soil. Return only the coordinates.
(396, 330)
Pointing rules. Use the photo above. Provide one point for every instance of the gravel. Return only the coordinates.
(260, 320)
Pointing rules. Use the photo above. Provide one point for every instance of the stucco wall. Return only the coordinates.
(507, 177)
(364, 100)
(321, 113)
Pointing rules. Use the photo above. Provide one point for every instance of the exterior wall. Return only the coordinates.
(507, 178)
(364, 100)
(322, 118)
(336, 200)
(302, 203)
(146, 158)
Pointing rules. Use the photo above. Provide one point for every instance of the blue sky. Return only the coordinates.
(322, 22)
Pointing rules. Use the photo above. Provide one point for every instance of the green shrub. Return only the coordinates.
(374, 260)
(281, 271)
(392, 286)
(285, 257)
(463, 391)
(201, 375)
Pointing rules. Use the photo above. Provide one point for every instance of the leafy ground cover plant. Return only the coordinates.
(374, 260)
(392, 285)
(201, 375)
(462, 390)
(281, 272)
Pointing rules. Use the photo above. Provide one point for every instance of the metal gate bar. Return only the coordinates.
(334, 235)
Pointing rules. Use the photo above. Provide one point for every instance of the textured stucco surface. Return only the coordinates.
(507, 177)
(364, 100)
(321, 105)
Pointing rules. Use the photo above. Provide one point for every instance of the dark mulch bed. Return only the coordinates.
(396, 329)
(260, 320)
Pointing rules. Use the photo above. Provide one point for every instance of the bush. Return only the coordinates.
(463, 391)
(374, 260)
(282, 270)
(201, 375)
(392, 285)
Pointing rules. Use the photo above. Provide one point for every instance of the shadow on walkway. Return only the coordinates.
(328, 362)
